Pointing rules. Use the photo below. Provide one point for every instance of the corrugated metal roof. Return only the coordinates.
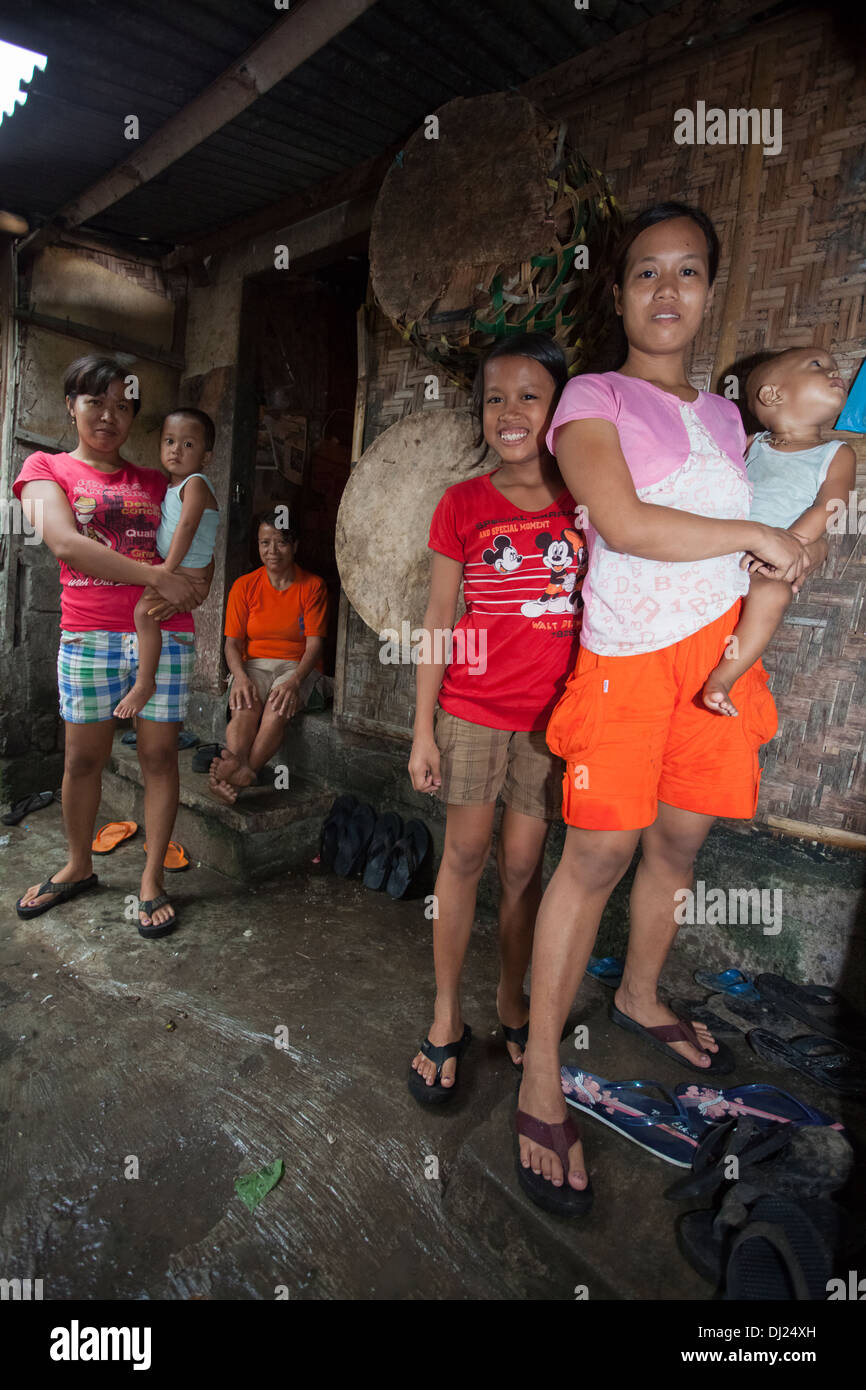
(365, 90)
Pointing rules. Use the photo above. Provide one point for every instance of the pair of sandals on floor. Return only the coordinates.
(560, 1138)
(65, 892)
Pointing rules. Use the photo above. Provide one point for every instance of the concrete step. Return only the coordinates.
(626, 1247)
(265, 833)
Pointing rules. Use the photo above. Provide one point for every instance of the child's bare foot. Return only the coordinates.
(222, 790)
(229, 768)
(135, 699)
(717, 692)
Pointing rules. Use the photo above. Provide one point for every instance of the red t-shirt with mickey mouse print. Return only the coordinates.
(517, 642)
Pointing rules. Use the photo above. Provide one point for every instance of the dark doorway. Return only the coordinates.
(296, 396)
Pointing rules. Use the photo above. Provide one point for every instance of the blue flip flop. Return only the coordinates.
(607, 969)
(661, 1126)
(730, 981)
(767, 1104)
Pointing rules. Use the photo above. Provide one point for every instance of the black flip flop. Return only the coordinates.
(782, 1253)
(822, 1059)
(437, 1093)
(63, 893)
(332, 828)
(36, 801)
(707, 1239)
(818, 1005)
(755, 1013)
(559, 1201)
(204, 756)
(739, 1138)
(660, 1037)
(353, 840)
(149, 906)
(518, 1036)
(408, 859)
(697, 1012)
(386, 832)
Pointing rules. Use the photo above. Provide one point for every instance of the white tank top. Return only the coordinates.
(785, 484)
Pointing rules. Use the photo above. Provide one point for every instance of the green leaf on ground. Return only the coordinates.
(252, 1187)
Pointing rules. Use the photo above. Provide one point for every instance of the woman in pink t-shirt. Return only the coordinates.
(659, 467)
(99, 514)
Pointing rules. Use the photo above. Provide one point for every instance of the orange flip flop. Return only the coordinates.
(112, 835)
(176, 858)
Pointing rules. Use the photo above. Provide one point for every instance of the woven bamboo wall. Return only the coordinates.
(804, 266)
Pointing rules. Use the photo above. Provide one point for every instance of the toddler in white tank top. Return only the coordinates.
(185, 539)
(795, 481)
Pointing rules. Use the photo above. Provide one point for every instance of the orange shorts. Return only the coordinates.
(633, 731)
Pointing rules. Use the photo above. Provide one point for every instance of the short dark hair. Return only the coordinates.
(191, 413)
(92, 375)
(541, 348)
(274, 518)
(666, 212)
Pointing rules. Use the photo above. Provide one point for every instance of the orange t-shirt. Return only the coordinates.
(276, 622)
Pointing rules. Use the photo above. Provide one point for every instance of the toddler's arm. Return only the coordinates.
(196, 495)
(811, 526)
(839, 481)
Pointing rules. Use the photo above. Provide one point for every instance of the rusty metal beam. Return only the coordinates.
(307, 27)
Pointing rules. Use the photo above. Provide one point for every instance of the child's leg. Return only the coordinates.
(149, 652)
(520, 856)
(669, 848)
(763, 609)
(468, 832)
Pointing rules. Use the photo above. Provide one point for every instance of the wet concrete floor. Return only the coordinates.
(119, 1055)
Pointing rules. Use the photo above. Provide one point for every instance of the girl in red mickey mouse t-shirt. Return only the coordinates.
(509, 537)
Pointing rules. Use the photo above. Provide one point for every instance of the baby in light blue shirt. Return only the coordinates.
(796, 481)
(185, 539)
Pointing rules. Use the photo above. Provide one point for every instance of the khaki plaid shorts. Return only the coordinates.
(478, 764)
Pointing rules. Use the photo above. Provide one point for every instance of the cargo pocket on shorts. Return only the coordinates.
(575, 725)
(760, 720)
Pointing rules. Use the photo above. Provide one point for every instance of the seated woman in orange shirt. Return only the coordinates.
(276, 621)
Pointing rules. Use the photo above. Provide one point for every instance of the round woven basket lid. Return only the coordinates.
(491, 228)
(384, 519)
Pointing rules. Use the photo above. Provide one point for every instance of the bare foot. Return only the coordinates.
(717, 692)
(447, 1029)
(134, 700)
(545, 1101)
(229, 768)
(223, 791)
(70, 873)
(653, 1014)
(514, 1014)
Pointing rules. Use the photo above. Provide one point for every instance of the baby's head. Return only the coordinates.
(799, 389)
(187, 440)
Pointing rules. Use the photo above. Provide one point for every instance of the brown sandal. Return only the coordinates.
(560, 1201)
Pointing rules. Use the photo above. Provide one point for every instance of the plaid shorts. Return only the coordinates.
(477, 763)
(96, 669)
